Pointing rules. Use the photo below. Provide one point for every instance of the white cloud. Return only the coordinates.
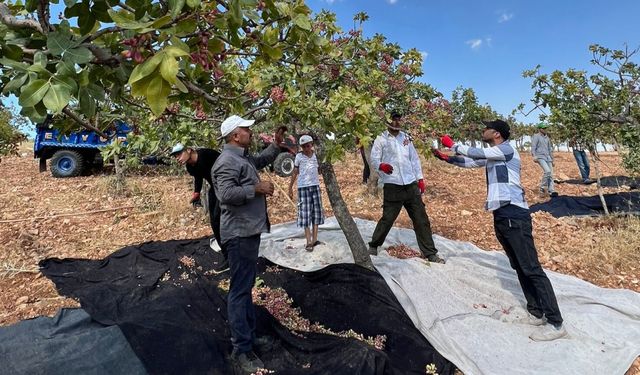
(474, 43)
(392, 1)
(330, 1)
(504, 17)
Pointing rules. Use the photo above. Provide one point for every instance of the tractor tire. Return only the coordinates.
(66, 163)
(284, 164)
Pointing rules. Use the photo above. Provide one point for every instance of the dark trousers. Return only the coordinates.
(517, 240)
(214, 220)
(583, 163)
(243, 255)
(407, 196)
(366, 171)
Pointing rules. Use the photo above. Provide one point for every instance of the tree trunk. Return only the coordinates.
(120, 181)
(595, 161)
(347, 224)
(372, 184)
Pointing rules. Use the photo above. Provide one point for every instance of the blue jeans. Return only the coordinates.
(243, 255)
(583, 163)
(547, 175)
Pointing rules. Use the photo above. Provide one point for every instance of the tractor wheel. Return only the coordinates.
(66, 163)
(284, 164)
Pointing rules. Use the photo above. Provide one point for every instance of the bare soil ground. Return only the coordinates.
(42, 217)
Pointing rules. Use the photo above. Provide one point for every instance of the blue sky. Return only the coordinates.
(487, 44)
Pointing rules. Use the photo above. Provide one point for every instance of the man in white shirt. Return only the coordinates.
(397, 161)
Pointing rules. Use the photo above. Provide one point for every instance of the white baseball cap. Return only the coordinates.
(305, 139)
(233, 122)
(179, 147)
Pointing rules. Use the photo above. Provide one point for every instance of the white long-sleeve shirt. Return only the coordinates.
(401, 154)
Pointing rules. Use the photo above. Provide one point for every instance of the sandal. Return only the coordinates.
(309, 247)
(318, 243)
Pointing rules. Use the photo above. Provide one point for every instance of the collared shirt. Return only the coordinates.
(503, 166)
(400, 153)
(235, 175)
(541, 147)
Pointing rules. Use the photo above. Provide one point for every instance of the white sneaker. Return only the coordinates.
(548, 332)
(531, 320)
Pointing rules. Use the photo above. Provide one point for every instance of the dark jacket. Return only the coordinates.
(235, 175)
(202, 168)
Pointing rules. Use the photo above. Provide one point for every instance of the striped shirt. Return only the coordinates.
(503, 165)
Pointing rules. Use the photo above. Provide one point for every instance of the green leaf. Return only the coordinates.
(162, 21)
(33, 93)
(87, 103)
(86, 22)
(16, 65)
(40, 59)
(35, 114)
(83, 77)
(100, 11)
(175, 51)
(175, 7)
(80, 55)
(64, 68)
(32, 5)
(67, 82)
(12, 52)
(57, 97)
(125, 20)
(139, 88)
(69, 4)
(180, 86)
(15, 83)
(271, 52)
(186, 26)
(58, 43)
(157, 95)
(235, 9)
(180, 44)
(215, 45)
(169, 69)
(146, 68)
(193, 4)
(302, 21)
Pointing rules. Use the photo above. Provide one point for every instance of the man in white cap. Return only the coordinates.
(199, 163)
(243, 205)
(306, 171)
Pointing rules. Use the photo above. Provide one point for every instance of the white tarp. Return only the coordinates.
(465, 307)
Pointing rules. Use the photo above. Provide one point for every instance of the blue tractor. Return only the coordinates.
(75, 153)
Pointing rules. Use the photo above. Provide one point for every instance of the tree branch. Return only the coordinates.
(67, 111)
(12, 21)
(199, 91)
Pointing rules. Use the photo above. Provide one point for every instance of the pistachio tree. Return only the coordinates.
(604, 106)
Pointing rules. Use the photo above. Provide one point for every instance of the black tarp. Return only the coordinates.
(607, 181)
(176, 321)
(68, 343)
(621, 203)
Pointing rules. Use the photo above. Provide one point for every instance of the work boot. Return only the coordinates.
(553, 194)
(435, 259)
(373, 250)
(223, 266)
(548, 332)
(247, 362)
(263, 344)
(531, 320)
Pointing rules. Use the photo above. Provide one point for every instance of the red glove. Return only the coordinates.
(440, 155)
(421, 186)
(195, 197)
(386, 168)
(446, 141)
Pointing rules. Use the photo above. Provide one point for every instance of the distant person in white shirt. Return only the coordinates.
(396, 160)
(310, 213)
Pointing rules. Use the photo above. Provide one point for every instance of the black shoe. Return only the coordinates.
(246, 362)
(373, 250)
(435, 259)
(263, 344)
(554, 194)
